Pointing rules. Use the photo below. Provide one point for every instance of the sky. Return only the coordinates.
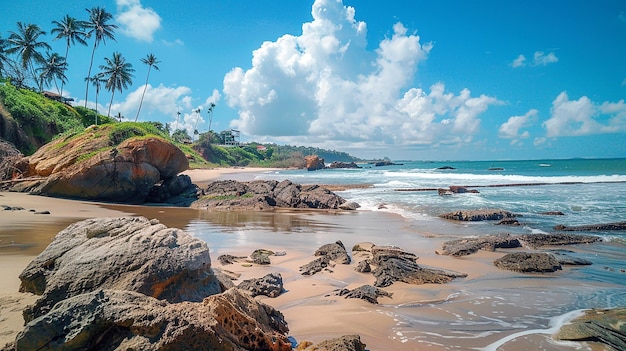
(408, 80)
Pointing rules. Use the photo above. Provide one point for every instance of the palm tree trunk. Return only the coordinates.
(144, 93)
(111, 103)
(67, 48)
(89, 73)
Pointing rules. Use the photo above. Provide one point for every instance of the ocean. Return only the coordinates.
(587, 191)
(509, 312)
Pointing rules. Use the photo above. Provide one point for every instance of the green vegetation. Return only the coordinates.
(227, 197)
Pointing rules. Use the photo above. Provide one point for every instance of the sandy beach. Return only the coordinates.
(310, 305)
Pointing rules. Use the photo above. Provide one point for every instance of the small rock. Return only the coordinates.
(271, 285)
(365, 292)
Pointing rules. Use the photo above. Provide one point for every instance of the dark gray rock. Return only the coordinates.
(464, 247)
(315, 266)
(335, 252)
(363, 267)
(365, 292)
(528, 262)
(569, 258)
(394, 264)
(271, 285)
(539, 240)
(478, 215)
(265, 195)
(593, 227)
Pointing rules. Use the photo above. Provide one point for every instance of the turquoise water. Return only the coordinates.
(586, 191)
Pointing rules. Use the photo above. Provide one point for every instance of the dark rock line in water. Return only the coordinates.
(511, 185)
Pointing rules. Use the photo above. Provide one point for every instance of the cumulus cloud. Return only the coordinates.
(324, 85)
(511, 128)
(539, 59)
(137, 21)
(520, 61)
(579, 117)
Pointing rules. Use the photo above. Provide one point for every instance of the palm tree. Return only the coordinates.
(151, 61)
(72, 31)
(96, 81)
(53, 69)
(101, 30)
(118, 75)
(25, 43)
(3, 55)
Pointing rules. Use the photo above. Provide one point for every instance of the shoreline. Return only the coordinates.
(309, 304)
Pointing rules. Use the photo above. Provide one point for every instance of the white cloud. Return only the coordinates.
(176, 42)
(541, 59)
(511, 128)
(578, 117)
(324, 86)
(520, 61)
(137, 21)
(539, 141)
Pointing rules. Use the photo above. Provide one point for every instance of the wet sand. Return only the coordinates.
(469, 313)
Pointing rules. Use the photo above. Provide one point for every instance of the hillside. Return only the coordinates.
(29, 120)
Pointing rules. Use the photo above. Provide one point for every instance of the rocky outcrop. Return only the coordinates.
(98, 166)
(344, 343)
(9, 156)
(385, 163)
(389, 264)
(271, 285)
(593, 227)
(265, 195)
(528, 262)
(337, 164)
(557, 239)
(126, 320)
(464, 247)
(126, 253)
(597, 325)
(365, 292)
(478, 215)
(313, 163)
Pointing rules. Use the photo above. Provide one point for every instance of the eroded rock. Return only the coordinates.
(126, 320)
(124, 253)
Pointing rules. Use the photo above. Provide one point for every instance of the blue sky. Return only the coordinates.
(423, 80)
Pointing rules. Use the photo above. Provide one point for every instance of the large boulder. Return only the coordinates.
(464, 247)
(126, 320)
(270, 285)
(126, 253)
(335, 252)
(98, 166)
(264, 195)
(599, 325)
(313, 162)
(343, 343)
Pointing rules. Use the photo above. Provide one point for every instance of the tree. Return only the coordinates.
(118, 75)
(25, 43)
(53, 69)
(96, 81)
(72, 31)
(151, 61)
(101, 30)
(4, 59)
